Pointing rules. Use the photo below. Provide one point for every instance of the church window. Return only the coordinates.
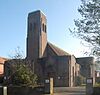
(45, 28)
(73, 72)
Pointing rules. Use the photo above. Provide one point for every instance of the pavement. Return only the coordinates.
(69, 91)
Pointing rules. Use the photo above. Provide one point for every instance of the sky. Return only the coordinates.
(60, 16)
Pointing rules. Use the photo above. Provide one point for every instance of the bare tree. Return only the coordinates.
(88, 26)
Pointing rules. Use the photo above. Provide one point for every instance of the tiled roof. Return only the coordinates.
(57, 50)
(2, 60)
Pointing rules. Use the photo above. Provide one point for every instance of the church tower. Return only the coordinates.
(36, 35)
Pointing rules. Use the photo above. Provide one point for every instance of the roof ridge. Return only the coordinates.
(2, 59)
(58, 50)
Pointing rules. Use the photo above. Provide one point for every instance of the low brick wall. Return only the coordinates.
(96, 90)
(23, 91)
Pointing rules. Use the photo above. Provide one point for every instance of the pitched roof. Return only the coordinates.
(57, 50)
(2, 60)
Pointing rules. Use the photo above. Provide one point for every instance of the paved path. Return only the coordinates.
(69, 91)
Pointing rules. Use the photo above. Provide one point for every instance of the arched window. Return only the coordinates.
(45, 28)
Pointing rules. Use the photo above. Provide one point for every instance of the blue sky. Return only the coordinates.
(60, 15)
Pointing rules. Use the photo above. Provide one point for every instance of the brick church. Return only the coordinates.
(48, 60)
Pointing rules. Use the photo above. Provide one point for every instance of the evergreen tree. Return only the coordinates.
(20, 71)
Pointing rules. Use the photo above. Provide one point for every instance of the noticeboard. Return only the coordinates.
(89, 80)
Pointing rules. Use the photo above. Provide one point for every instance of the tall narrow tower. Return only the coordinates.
(36, 35)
